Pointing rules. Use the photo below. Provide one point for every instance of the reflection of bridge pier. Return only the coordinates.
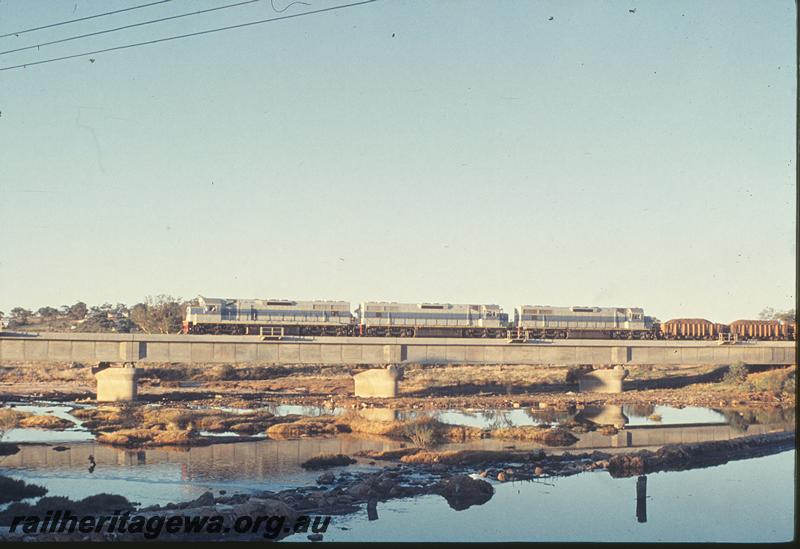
(609, 414)
(641, 499)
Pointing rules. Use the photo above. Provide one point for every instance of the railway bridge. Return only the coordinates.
(133, 349)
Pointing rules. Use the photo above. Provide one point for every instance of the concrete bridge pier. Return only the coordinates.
(378, 383)
(116, 384)
(603, 381)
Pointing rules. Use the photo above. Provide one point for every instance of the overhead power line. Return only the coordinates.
(132, 25)
(188, 35)
(84, 18)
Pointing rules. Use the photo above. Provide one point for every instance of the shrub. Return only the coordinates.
(737, 373)
(420, 434)
(222, 372)
(327, 460)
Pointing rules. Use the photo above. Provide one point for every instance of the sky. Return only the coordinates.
(507, 152)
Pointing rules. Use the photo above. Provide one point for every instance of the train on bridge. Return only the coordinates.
(276, 318)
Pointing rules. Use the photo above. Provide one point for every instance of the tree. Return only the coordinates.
(161, 314)
(78, 311)
(787, 316)
(769, 313)
(47, 312)
(20, 315)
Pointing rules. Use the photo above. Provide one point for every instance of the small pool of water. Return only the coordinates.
(666, 415)
(71, 434)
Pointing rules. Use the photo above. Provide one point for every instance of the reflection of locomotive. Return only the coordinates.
(278, 317)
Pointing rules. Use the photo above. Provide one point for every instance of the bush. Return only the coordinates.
(222, 372)
(737, 373)
(574, 373)
(420, 434)
(327, 460)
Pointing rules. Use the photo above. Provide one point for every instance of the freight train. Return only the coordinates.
(276, 318)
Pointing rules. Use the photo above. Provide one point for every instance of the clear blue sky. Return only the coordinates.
(456, 151)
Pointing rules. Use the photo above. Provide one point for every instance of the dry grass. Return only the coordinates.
(310, 426)
(148, 437)
(113, 418)
(419, 377)
(462, 457)
(421, 432)
(33, 372)
(545, 435)
(390, 455)
(45, 422)
(781, 380)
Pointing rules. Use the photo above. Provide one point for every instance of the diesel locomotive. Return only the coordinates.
(275, 318)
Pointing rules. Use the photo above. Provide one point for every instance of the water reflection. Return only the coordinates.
(641, 499)
(162, 475)
(603, 415)
(741, 501)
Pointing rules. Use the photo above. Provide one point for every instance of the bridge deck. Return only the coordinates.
(91, 347)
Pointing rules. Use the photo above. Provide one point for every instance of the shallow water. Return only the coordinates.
(750, 500)
(72, 434)
(173, 475)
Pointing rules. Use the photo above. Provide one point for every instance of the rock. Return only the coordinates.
(482, 474)
(326, 478)
(626, 465)
(314, 537)
(462, 492)
(501, 476)
(205, 500)
(538, 471)
(360, 490)
(256, 507)
(59, 448)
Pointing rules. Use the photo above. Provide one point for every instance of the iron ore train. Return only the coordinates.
(276, 318)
